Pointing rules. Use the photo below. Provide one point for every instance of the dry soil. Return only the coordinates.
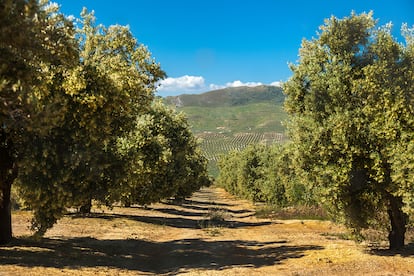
(211, 233)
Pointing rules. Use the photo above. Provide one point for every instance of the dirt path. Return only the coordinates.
(210, 234)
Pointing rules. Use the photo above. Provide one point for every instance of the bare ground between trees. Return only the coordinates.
(212, 233)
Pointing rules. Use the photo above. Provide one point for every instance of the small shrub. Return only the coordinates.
(217, 215)
(214, 220)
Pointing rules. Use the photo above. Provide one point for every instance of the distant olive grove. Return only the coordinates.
(350, 102)
(79, 120)
(264, 173)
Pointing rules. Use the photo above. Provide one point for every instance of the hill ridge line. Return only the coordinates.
(230, 96)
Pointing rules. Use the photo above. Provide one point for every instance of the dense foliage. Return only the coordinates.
(264, 174)
(162, 157)
(351, 123)
(36, 48)
(351, 106)
(71, 99)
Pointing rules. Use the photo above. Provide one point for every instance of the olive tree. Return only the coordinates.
(163, 159)
(351, 106)
(265, 174)
(36, 48)
(88, 101)
(67, 94)
(112, 83)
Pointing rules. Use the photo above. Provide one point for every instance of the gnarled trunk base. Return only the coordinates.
(85, 209)
(398, 221)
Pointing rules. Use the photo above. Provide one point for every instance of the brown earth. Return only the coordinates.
(212, 233)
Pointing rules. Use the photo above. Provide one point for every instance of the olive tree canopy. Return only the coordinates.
(351, 106)
(71, 93)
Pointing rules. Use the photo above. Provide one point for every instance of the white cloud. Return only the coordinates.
(276, 83)
(196, 84)
(213, 86)
(236, 83)
(182, 84)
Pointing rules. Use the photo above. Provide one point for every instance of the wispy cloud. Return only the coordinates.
(236, 83)
(197, 84)
(185, 84)
(276, 83)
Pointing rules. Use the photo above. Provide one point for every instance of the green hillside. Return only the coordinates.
(253, 117)
(232, 118)
(233, 110)
(232, 96)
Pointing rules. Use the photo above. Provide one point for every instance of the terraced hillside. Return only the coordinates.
(216, 144)
(233, 118)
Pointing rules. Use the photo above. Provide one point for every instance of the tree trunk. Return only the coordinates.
(398, 221)
(8, 173)
(86, 207)
(5, 213)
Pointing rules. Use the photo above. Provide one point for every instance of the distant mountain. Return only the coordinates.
(231, 96)
(231, 110)
(232, 118)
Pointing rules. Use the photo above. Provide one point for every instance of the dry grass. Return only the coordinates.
(211, 234)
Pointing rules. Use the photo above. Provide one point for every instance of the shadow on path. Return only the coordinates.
(406, 251)
(204, 211)
(177, 222)
(147, 256)
(154, 257)
(191, 202)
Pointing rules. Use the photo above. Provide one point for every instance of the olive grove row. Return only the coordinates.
(79, 119)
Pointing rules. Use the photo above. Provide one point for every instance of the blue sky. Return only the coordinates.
(209, 44)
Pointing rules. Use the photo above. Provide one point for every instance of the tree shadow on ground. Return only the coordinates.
(186, 216)
(205, 211)
(148, 256)
(176, 222)
(174, 211)
(207, 208)
(406, 251)
(191, 202)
